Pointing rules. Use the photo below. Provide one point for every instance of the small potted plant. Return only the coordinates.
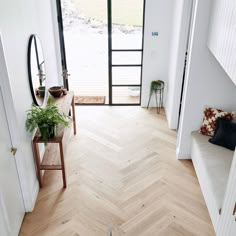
(46, 119)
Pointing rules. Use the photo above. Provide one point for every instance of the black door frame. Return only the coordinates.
(62, 43)
(186, 59)
(110, 50)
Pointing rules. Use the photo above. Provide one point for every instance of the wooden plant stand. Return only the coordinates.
(53, 158)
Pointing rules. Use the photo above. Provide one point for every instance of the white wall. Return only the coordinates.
(180, 28)
(18, 20)
(206, 83)
(158, 17)
(46, 31)
(222, 35)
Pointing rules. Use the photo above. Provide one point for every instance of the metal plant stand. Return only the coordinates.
(157, 87)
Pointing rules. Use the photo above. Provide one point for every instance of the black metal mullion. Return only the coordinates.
(141, 77)
(126, 65)
(127, 50)
(110, 50)
(62, 41)
(126, 85)
(126, 104)
(109, 28)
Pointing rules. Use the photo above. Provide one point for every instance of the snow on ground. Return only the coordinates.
(86, 42)
(74, 18)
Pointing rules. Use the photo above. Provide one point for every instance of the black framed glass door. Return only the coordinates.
(62, 44)
(83, 36)
(125, 30)
(120, 63)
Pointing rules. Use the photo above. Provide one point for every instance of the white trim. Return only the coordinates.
(33, 198)
(227, 224)
(181, 33)
(181, 119)
(182, 156)
(4, 223)
(14, 130)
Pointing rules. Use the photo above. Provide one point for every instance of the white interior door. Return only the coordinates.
(11, 201)
(233, 229)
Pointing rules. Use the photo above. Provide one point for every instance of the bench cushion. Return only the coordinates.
(215, 162)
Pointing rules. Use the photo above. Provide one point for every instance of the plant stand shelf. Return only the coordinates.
(53, 158)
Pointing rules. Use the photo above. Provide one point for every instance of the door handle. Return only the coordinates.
(13, 151)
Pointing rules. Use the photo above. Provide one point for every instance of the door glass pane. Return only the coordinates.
(85, 32)
(126, 58)
(127, 22)
(126, 95)
(126, 75)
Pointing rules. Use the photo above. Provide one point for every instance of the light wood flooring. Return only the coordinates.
(122, 173)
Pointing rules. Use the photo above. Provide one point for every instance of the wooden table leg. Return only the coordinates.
(73, 113)
(37, 159)
(62, 164)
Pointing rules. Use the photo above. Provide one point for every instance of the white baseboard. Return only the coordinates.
(182, 156)
(30, 206)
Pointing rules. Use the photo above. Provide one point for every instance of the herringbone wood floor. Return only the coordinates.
(122, 173)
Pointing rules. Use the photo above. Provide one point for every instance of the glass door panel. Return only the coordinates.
(126, 57)
(85, 33)
(125, 50)
(127, 23)
(126, 94)
(103, 45)
(126, 75)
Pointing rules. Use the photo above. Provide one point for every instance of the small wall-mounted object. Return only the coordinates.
(154, 33)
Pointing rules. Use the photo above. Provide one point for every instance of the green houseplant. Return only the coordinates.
(47, 119)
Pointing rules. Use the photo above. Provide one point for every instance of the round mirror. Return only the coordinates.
(36, 70)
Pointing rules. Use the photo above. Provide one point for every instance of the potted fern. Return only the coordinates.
(46, 119)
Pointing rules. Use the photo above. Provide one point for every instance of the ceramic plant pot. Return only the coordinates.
(56, 91)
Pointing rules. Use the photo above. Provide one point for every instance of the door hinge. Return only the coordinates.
(13, 151)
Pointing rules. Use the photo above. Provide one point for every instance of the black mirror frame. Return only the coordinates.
(32, 40)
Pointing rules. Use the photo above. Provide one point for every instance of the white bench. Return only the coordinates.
(212, 164)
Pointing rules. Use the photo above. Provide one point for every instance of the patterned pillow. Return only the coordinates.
(209, 120)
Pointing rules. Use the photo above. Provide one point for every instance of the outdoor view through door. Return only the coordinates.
(102, 46)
